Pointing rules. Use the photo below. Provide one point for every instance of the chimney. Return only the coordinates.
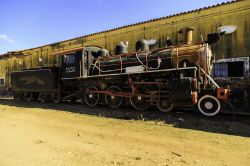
(187, 35)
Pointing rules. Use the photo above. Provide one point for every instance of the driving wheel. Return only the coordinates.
(139, 102)
(112, 100)
(164, 103)
(91, 96)
(165, 106)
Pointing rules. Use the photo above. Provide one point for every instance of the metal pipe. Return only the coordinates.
(210, 78)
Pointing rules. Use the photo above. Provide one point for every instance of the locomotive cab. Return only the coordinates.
(71, 65)
(89, 56)
(76, 64)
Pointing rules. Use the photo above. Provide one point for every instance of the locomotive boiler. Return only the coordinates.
(166, 77)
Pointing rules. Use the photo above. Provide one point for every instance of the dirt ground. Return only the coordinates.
(47, 135)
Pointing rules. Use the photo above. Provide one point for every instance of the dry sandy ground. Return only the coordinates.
(36, 136)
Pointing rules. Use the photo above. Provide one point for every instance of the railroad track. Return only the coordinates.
(152, 112)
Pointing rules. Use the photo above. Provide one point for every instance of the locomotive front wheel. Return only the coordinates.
(139, 103)
(91, 96)
(165, 106)
(209, 105)
(112, 100)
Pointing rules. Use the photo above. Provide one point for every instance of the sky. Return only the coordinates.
(31, 23)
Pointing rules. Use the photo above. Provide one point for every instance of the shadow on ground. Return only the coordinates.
(238, 125)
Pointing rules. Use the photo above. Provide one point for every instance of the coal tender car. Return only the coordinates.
(164, 77)
(31, 84)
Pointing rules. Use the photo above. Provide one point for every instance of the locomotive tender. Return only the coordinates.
(164, 77)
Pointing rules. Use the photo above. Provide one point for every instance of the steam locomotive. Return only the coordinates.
(164, 77)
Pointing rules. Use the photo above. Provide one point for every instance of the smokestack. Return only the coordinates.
(187, 35)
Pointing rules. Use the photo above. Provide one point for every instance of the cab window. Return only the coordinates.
(69, 59)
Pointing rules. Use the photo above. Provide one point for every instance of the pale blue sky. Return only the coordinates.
(31, 23)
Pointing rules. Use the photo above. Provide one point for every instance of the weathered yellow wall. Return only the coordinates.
(203, 21)
(3, 69)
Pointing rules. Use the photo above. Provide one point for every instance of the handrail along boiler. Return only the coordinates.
(165, 77)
